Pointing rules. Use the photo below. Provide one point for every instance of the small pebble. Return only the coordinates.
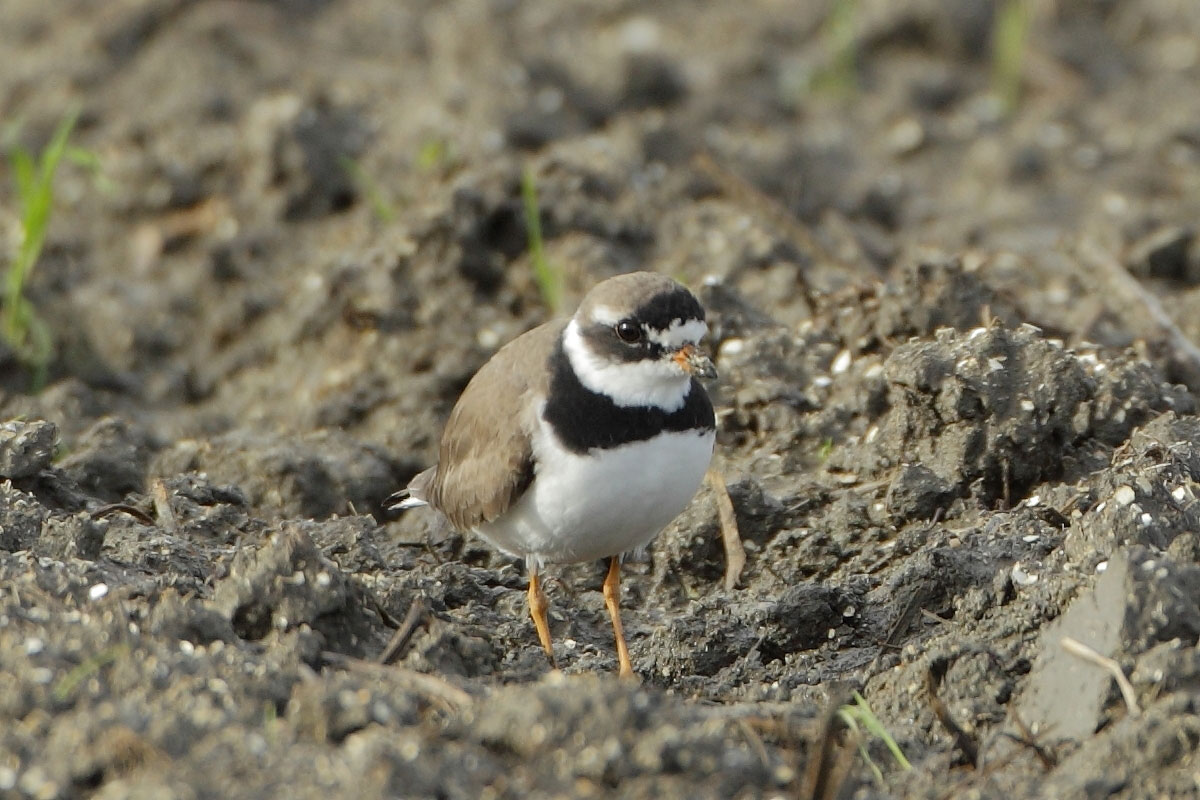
(841, 363)
(906, 136)
(1021, 577)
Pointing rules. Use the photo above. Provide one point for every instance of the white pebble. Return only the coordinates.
(731, 347)
(1124, 495)
(640, 34)
(487, 338)
(841, 363)
(1021, 577)
(98, 591)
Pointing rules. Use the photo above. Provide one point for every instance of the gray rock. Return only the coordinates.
(21, 517)
(1140, 600)
(918, 493)
(26, 448)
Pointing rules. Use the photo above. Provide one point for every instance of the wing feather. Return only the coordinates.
(485, 461)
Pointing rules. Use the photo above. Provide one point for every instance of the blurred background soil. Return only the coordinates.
(948, 251)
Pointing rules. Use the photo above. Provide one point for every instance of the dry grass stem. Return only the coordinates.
(1081, 650)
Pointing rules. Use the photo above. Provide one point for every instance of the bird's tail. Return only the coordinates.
(401, 500)
(413, 495)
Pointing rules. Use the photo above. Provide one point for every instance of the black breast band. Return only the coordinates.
(584, 420)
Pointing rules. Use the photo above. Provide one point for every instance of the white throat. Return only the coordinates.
(632, 383)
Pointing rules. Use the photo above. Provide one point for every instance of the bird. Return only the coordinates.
(581, 439)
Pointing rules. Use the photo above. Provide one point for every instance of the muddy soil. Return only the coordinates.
(957, 409)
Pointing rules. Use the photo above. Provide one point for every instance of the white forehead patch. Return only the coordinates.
(605, 315)
(679, 334)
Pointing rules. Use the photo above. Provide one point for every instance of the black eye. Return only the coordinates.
(629, 331)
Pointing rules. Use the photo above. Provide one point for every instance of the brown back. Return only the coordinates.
(485, 461)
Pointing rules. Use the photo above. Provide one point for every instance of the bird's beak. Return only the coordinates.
(692, 361)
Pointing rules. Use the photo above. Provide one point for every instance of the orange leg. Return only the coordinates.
(538, 606)
(612, 599)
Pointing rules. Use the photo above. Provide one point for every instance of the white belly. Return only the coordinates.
(581, 508)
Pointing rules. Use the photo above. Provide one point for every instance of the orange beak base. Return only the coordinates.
(692, 361)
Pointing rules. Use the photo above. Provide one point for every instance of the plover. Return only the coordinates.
(581, 439)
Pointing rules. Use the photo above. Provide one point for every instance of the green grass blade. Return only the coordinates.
(1010, 34)
(381, 207)
(547, 277)
(22, 167)
(82, 157)
(876, 729)
(34, 178)
(67, 685)
(848, 715)
(54, 151)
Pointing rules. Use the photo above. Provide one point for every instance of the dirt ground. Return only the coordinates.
(957, 408)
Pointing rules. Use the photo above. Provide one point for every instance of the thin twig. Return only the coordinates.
(429, 685)
(1081, 650)
(735, 554)
(1142, 312)
(932, 617)
(756, 742)
(162, 506)
(404, 633)
(387, 618)
(828, 757)
(1028, 739)
(977, 777)
(963, 740)
(912, 608)
(122, 508)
